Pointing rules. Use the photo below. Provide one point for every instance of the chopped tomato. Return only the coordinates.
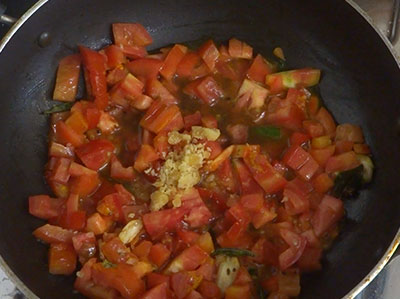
(208, 90)
(192, 120)
(329, 212)
(157, 292)
(77, 122)
(326, 120)
(284, 113)
(120, 172)
(188, 260)
(157, 91)
(342, 162)
(67, 135)
(247, 183)
(239, 49)
(296, 248)
(96, 153)
(321, 156)
(95, 67)
(172, 60)
(209, 289)
(146, 156)
(159, 254)
(209, 121)
(300, 160)
(44, 207)
(157, 223)
(238, 292)
(62, 259)
(313, 128)
(98, 224)
(322, 183)
(131, 34)
(188, 64)
(145, 67)
(259, 69)
(292, 79)
(67, 78)
(209, 52)
(53, 234)
(115, 56)
(298, 138)
(183, 283)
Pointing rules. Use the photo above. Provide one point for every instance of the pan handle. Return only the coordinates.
(5, 19)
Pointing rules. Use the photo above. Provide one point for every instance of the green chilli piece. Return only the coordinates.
(232, 252)
(59, 108)
(271, 132)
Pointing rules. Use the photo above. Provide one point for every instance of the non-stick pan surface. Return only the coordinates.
(360, 84)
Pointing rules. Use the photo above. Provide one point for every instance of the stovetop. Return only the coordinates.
(387, 284)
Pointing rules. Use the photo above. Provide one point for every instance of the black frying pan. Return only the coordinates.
(360, 84)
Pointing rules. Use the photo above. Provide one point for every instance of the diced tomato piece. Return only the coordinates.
(197, 212)
(116, 252)
(62, 259)
(147, 155)
(120, 172)
(61, 151)
(242, 277)
(75, 220)
(295, 202)
(158, 222)
(292, 79)
(44, 207)
(263, 216)
(167, 118)
(94, 64)
(239, 49)
(298, 159)
(77, 122)
(227, 177)
(313, 128)
(209, 121)
(67, 78)
(187, 64)
(157, 90)
(67, 135)
(145, 67)
(157, 292)
(81, 240)
(285, 114)
(188, 260)
(159, 254)
(53, 234)
(174, 57)
(209, 289)
(115, 56)
(238, 213)
(238, 292)
(60, 171)
(183, 283)
(297, 245)
(308, 170)
(322, 183)
(298, 138)
(321, 156)
(327, 121)
(349, 132)
(76, 169)
(263, 172)
(259, 69)
(192, 120)
(187, 236)
(116, 75)
(121, 277)
(247, 183)
(98, 224)
(209, 52)
(90, 290)
(329, 212)
(96, 153)
(208, 90)
(342, 162)
(130, 34)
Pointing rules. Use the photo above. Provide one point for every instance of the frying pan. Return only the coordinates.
(360, 84)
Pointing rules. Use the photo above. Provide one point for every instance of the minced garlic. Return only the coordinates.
(205, 133)
(180, 171)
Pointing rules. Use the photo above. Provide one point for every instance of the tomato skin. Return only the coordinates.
(96, 153)
(67, 78)
(44, 207)
(62, 259)
(94, 64)
(131, 34)
(296, 248)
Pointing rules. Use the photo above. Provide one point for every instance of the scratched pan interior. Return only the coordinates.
(360, 84)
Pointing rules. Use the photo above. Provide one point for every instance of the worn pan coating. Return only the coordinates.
(360, 84)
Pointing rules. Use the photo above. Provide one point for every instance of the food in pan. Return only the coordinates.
(192, 173)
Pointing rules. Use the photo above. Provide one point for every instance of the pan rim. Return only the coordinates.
(353, 293)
